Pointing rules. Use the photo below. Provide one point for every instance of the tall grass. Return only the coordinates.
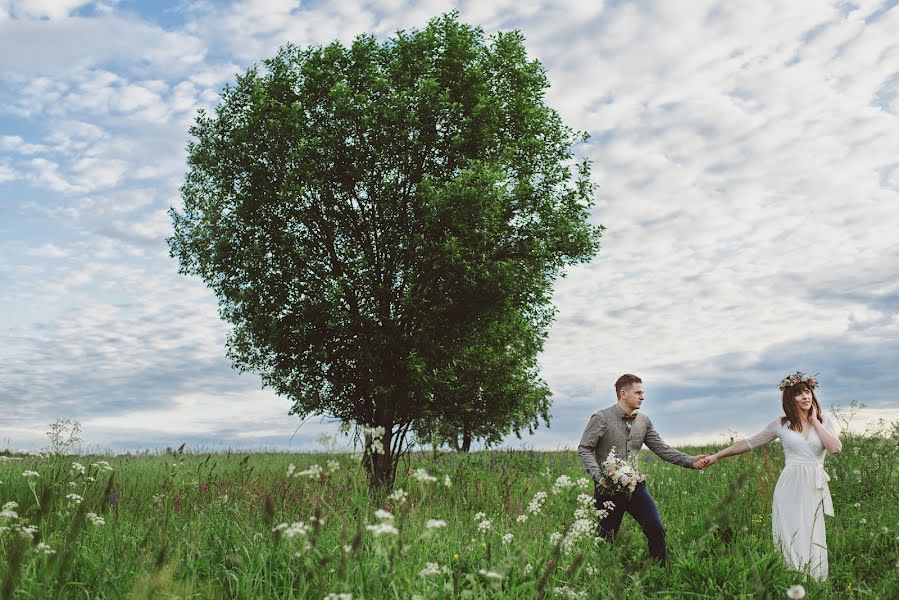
(238, 526)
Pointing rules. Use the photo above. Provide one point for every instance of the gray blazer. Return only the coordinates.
(607, 428)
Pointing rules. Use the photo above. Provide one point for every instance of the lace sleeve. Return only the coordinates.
(765, 436)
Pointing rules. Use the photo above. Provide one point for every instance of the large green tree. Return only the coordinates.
(373, 217)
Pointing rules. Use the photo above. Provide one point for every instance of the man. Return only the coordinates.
(620, 426)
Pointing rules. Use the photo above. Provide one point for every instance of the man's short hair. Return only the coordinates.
(624, 381)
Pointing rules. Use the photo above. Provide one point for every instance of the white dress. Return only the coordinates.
(801, 498)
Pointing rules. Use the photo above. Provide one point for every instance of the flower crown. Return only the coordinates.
(799, 377)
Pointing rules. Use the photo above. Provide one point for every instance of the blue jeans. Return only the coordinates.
(643, 509)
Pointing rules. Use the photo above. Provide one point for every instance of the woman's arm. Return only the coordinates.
(830, 440)
(767, 435)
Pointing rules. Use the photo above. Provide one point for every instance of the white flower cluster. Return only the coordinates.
(29, 473)
(9, 510)
(44, 549)
(431, 569)
(25, 531)
(435, 524)
(74, 498)
(383, 515)
(383, 528)
(447, 481)
(563, 482)
(95, 519)
(484, 524)
(333, 466)
(491, 574)
(313, 472)
(422, 475)
(336, 596)
(582, 531)
(508, 538)
(4, 458)
(292, 530)
(399, 496)
(77, 466)
(536, 503)
(377, 438)
(796, 592)
(564, 591)
(585, 483)
(102, 465)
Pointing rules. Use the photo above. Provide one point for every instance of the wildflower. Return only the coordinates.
(77, 466)
(9, 510)
(399, 495)
(333, 465)
(434, 524)
(857, 505)
(383, 514)
(102, 465)
(96, 519)
(564, 591)
(508, 538)
(74, 498)
(25, 531)
(44, 548)
(485, 526)
(292, 530)
(422, 475)
(536, 504)
(584, 482)
(480, 516)
(376, 434)
(447, 482)
(291, 468)
(863, 521)
(313, 472)
(29, 473)
(383, 529)
(431, 568)
(335, 596)
(528, 569)
(795, 592)
(556, 537)
(490, 574)
(563, 482)
(522, 518)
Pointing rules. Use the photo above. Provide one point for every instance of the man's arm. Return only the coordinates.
(596, 427)
(655, 443)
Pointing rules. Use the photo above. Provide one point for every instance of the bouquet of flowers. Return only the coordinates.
(619, 475)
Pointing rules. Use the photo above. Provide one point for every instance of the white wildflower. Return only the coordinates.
(336, 596)
(399, 495)
(383, 514)
(44, 549)
(25, 531)
(422, 475)
(383, 529)
(102, 465)
(508, 538)
(522, 518)
(564, 591)
(528, 569)
(447, 481)
(291, 469)
(490, 574)
(795, 592)
(29, 473)
(77, 466)
(485, 526)
(480, 516)
(434, 524)
(96, 519)
(292, 530)
(556, 537)
(563, 482)
(74, 498)
(431, 568)
(313, 472)
(536, 503)
(585, 483)
(333, 466)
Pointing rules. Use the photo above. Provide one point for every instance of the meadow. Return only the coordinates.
(491, 524)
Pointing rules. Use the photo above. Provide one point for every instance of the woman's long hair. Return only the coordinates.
(792, 411)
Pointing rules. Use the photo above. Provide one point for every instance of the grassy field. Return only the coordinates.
(251, 526)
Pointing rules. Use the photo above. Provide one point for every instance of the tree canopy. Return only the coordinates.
(382, 225)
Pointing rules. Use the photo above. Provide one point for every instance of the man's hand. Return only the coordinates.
(704, 460)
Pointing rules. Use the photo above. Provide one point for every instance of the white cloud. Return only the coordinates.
(45, 9)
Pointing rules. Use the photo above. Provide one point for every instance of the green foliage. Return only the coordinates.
(218, 526)
(383, 223)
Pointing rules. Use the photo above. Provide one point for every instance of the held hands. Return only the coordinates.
(704, 460)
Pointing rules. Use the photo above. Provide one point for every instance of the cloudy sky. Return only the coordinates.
(747, 154)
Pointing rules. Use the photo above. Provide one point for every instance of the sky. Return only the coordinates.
(746, 153)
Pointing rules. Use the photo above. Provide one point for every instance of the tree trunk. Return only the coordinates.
(378, 464)
(466, 442)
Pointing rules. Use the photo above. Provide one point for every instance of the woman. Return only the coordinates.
(801, 496)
